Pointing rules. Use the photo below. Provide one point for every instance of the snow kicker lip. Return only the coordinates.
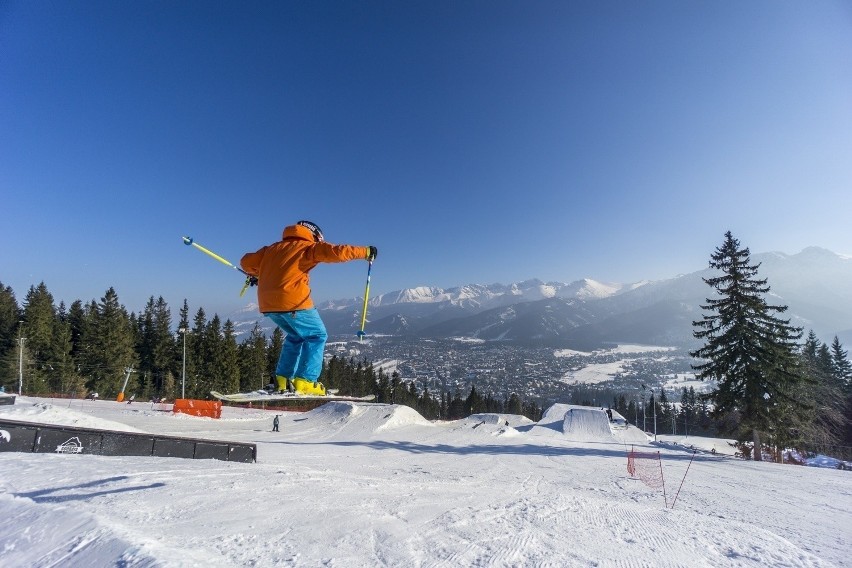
(48, 438)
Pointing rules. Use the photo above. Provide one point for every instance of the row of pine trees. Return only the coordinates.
(685, 415)
(770, 388)
(47, 349)
(357, 378)
(96, 347)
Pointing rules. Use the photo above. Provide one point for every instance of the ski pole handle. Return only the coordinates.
(250, 281)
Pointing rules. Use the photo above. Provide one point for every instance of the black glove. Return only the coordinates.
(252, 280)
(372, 252)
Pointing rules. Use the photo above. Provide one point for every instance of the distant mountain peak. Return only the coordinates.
(812, 252)
(816, 285)
(819, 252)
(491, 295)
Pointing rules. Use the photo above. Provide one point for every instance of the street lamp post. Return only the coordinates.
(21, 360)
(21, 368)
(183, 373)
(654, 402)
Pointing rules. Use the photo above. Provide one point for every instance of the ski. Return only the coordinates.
(264, 396)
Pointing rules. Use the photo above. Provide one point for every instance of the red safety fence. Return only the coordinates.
(208, 408)
(648, 467)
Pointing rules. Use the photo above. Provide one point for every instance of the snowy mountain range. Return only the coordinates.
(484, 296)
(816, 285)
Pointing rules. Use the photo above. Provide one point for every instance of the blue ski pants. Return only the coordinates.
(301, 354)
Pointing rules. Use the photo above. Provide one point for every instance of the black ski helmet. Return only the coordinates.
(314, 228)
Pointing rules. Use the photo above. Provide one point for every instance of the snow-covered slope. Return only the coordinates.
(377, 485)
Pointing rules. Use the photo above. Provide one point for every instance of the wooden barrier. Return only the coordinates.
(208, 408)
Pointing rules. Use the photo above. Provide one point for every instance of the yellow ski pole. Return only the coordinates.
(361, 332)
(188, 241)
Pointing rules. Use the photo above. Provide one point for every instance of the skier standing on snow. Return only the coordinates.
(284, 296)
(275, 423)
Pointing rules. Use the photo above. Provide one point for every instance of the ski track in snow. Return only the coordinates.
(377, 485)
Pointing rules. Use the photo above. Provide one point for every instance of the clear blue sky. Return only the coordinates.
(470, 141)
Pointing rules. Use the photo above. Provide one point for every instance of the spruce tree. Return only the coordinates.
(196, 355)
(156, 346)
(842, 369)
(382, 390)
(273, 352)
(63, 377)
(111, 347)
(252, 356)
(824, 393)
(86, 345)
(145, 346)
(473, 402)
(76, 323)
(456, 406)
(39, 320)
(514, 405)
(749, 351)
(840, 365)
(164, 345)
(228, 361)
(210, 346)
(10, 315)
(687, 418)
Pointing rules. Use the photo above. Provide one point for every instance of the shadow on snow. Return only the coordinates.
(617, 450)
(47, 495)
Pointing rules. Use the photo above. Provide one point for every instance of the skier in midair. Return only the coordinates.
(284, 296)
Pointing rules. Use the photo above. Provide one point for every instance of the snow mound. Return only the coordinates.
(402, 416)
(46, 413)
(487, 424)
(333, 412)
(512, 420)
(361, 418)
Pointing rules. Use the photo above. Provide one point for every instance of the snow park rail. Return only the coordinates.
(18, 436)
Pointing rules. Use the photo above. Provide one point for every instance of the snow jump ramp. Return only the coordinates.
(587, 425)
(18, 436)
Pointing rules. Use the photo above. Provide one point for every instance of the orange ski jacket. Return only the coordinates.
(283, 284)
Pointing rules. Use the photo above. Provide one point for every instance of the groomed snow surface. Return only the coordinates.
(378, 485)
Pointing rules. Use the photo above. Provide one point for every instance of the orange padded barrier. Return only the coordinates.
(208, 408)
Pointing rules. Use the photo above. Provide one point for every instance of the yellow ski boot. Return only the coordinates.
(283, 385)
(306, 387)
